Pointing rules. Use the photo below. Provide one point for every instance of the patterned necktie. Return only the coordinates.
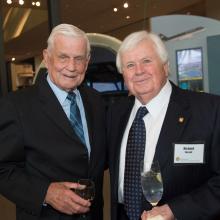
(134, 154)
(75, 118)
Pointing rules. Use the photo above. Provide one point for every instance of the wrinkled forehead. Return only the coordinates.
(69, 44)
(143, 49)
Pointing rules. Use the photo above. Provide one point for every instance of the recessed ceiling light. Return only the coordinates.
(125, 5)
(115, 9)
(13, 59)
(128, 17)
(21, 2)
(9, 2)
(33, 3)
(38, 4)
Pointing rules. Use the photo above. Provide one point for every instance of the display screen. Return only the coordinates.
(189, 69)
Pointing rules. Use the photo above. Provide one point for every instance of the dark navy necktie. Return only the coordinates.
(134, 154)
(75, 118)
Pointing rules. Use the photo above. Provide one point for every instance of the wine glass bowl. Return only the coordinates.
(88, 191)
(151, 182)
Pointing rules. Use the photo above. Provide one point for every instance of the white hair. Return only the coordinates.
(70, 31)
(133, 39)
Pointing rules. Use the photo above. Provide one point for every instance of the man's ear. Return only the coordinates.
(87, 61)
(46, 57)
(166, 68)
(88, 58)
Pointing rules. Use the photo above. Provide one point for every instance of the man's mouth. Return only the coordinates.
(141, 81)
(70, 76)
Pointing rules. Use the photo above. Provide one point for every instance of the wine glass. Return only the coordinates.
(88, 192)
(151, 182)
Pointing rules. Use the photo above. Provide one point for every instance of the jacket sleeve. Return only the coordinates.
(16, 182)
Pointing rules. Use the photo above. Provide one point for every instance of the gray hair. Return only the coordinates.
(133, 39)
(68, 30)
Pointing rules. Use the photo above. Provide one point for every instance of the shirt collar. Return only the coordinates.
(155, 105)
(60, 94)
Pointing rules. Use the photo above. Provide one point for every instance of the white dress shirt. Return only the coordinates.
(157, 108)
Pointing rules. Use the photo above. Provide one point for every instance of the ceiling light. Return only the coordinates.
(128, 17)
(33, 3)
(125, 5)
(115, 9)
(9, 2)
(13, 59)
(38, 4)
(21, 2)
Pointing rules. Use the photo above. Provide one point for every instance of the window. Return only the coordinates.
(105, 78)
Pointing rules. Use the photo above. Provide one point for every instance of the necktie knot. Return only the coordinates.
(71, 96)
(142, 111)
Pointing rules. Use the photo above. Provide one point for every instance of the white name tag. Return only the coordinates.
(189, 153)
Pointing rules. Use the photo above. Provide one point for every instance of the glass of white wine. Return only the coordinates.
(151, 182)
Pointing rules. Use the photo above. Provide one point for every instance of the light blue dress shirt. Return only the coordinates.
(65, 103)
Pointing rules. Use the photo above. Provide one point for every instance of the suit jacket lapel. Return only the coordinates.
(53, 109)
(87, 104)
(123, 115)
(177, 116)
(92, 116)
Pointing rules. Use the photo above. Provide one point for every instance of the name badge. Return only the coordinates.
(189, 153)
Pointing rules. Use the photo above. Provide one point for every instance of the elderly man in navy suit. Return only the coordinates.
(171, 121)
(53, 134)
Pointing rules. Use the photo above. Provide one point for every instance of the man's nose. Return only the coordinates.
(71, 66)
(139, 68)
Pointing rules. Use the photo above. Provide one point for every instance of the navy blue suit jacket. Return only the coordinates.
(38, 146)
(192, 191)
